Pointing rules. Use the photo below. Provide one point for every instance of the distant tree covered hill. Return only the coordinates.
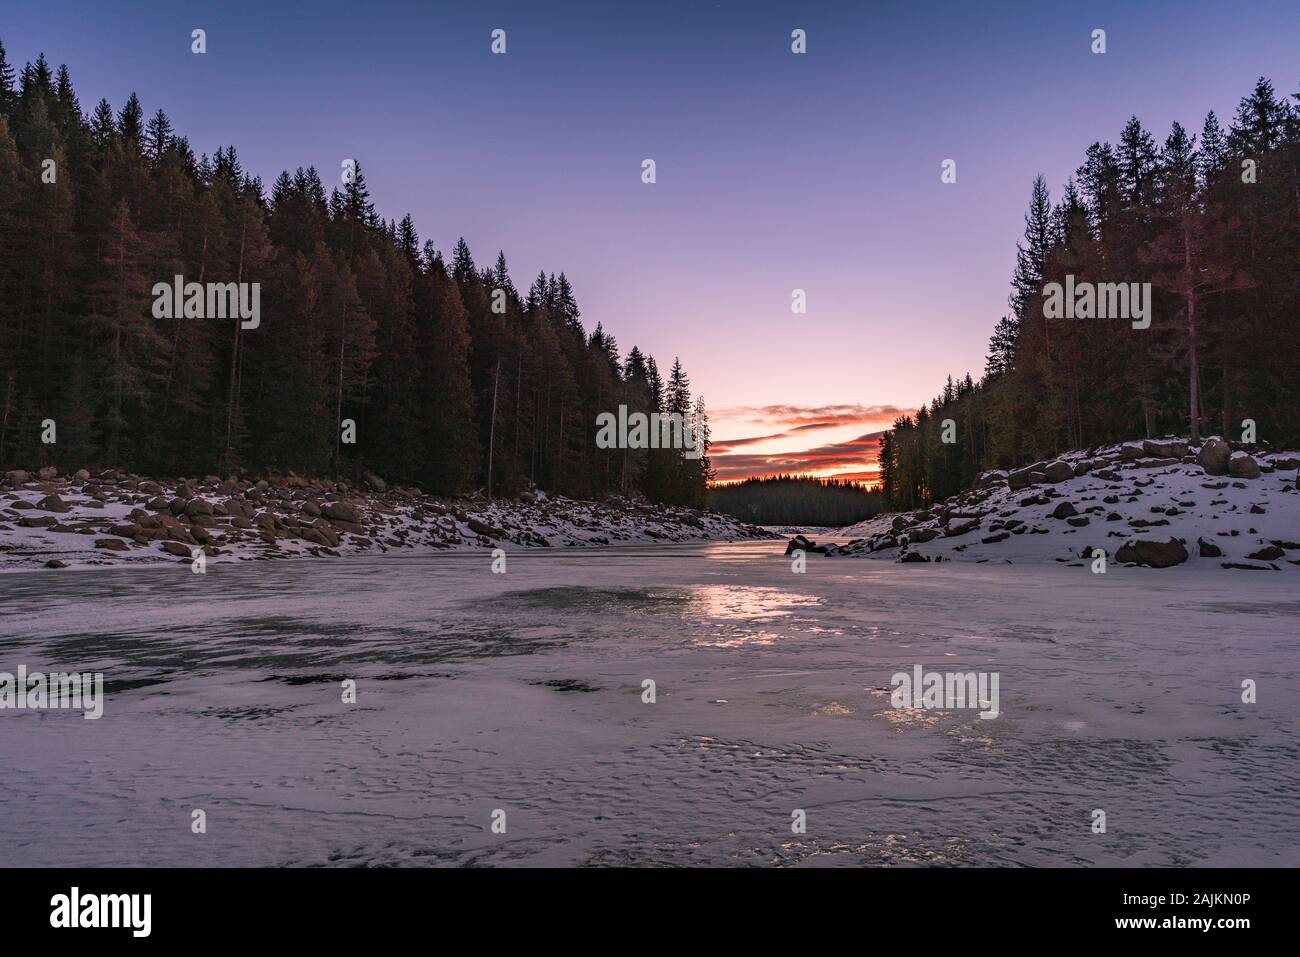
(796, 500)
(443, 373)
(1213, 224)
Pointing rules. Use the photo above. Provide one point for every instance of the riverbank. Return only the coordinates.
(113, 518)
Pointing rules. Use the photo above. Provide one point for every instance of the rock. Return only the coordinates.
(994, 539)
(1151, 553)
(798, 543)
(1213, 456)
(921, 535)
(47, 473)
(318, 535)
(483, 528)
(37, 521)
(198, 506)
(955, 530)
(82, 475)
(1208, 549)
(176, 548)
(1078, 521)
(1165, 448)
(375, 482)
(52, 503)
(16, 477)
(1250, 568)
(112, 544)
(907, 557)
(1023, 478)
(311, 508)
(341, 511)
(126, 529)
(1242, 465)
(1267, 554)
(989, 479)
(55, 563)
(1064, 510)
(1058, 471)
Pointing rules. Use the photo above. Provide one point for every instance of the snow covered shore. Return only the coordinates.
(1155, 503)
(113, 518)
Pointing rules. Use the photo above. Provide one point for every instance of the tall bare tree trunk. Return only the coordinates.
(233, 388)
(492, 429)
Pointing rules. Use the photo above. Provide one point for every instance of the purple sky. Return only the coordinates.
(775, 171)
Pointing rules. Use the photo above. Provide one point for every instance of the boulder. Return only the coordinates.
(1165, 448)
(52, 503)
(907, 557)
(1208, 549)
(1023, 478)
(176, 548)
(341, 511)
(1213, 456)
(82, 475)
(16, 477)
(1064, 510)
(112, 544)
(1151, 553)
(1267, 554)
(1241, 465)
(126, 530)
(1058, 471)
(483, 528)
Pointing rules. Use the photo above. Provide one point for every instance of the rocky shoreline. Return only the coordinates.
(111, 517)
(1155, 503)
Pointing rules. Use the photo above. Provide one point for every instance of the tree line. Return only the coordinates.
(374, 352)
(796, 500)
(1212, 222)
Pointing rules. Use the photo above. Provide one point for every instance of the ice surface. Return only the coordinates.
(522, 692)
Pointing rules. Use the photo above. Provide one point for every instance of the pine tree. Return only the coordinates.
(157, 138)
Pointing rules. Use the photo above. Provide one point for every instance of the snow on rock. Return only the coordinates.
(1156, 503)
(115, 518)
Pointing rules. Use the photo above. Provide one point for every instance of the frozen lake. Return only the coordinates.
(523, 692)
